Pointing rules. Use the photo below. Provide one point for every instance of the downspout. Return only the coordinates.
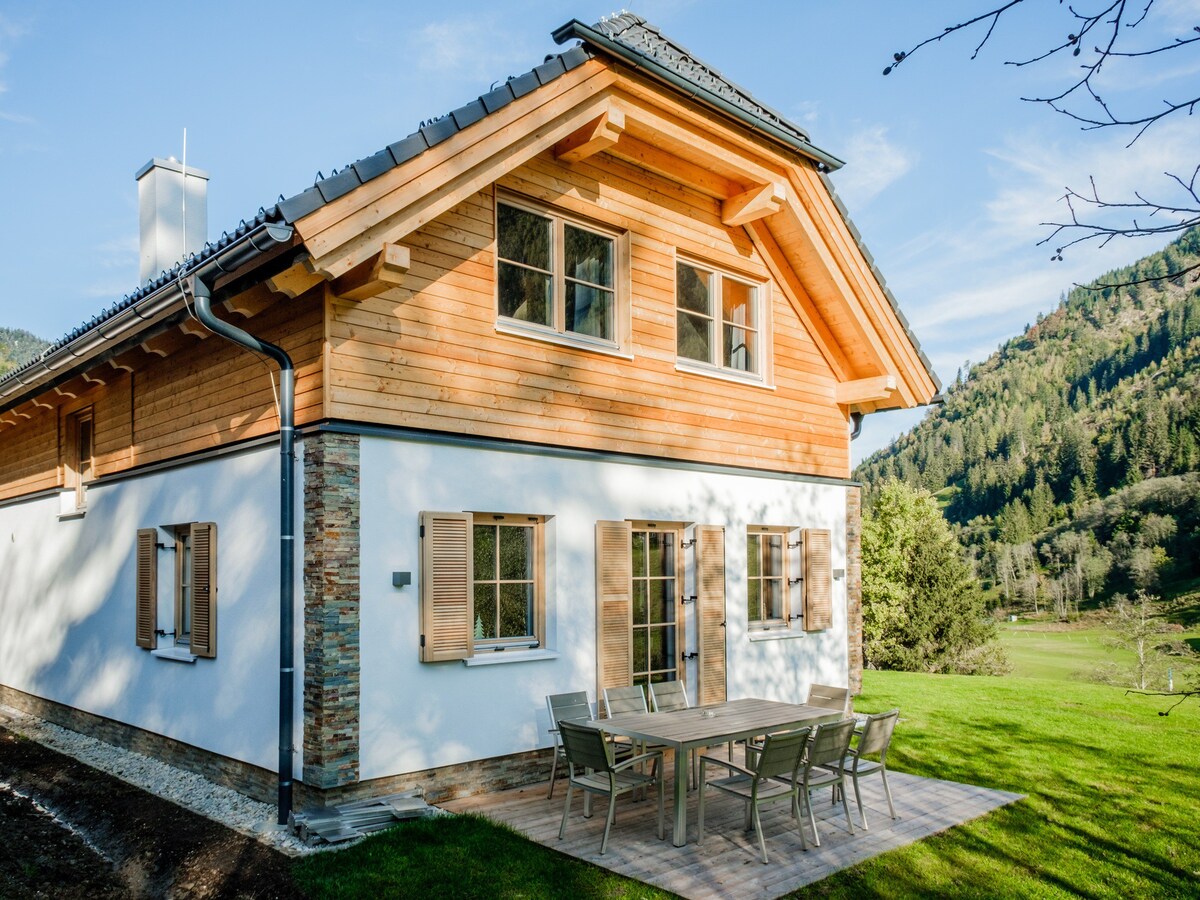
(856, 418)
(201, 290)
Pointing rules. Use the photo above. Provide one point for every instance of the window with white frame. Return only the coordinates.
(556, 274)
(194, 630)
(717, 319)
(767, 585)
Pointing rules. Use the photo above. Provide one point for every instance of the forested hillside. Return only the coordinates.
(17, 348)
(1069, 459)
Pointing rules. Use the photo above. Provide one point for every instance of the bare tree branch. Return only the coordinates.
(1182, 695)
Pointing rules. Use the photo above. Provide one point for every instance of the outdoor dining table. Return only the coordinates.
(684, 730)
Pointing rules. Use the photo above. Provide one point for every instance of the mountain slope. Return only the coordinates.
(17, 347)
(1098, 397)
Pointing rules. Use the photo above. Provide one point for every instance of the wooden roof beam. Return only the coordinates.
(865, 390)
(291, 283)
(193, 327)
(596, 136)
(250, 303)
(757, 203)
(72, 389)
(382, 272)
(163, 344)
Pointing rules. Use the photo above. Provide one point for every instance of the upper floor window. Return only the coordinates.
(556, 274)
(717, 319)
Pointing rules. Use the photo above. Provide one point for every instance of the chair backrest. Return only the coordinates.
(782, 753)
(585, 747)
(830, 743)
(573, 706)
(877, 733)
(625, 700)
(829, 697)
(668, 695)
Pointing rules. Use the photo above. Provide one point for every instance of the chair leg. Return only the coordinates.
(553, 771)
(846, 809)
(762, 843)
(799, 821)
(812, 819)
(858, 799)
(612, 812)
(562, 829)
(888, 793)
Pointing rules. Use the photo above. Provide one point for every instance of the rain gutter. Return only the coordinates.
(255, 244)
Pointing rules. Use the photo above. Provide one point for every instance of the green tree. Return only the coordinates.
(922, 607)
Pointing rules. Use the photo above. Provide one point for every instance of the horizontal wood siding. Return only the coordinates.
(204, 394)
(214, 392)
(428, 355)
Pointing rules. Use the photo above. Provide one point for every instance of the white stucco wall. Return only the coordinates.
(67, 605)
(418, 715)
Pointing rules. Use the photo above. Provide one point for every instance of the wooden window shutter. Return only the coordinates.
(447, 589)
(818, 580)
(614, 606)
(710, 612)
(204, 589)
(146, 599)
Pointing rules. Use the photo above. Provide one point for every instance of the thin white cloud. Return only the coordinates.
(120, 252)
(873, 162)
(11, 31)
(478, 47)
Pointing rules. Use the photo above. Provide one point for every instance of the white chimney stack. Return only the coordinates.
(173, 214)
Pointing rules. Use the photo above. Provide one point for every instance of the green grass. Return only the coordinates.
(1111, 808)
(1037, 652)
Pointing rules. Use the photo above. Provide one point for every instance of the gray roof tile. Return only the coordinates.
(496, 98)
(523, 84)
(549, 70)
(404, 150)
(468, 115)
(438, 130)
(374, 165)
(337, 185)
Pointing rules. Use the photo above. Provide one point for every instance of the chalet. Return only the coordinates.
(556, 393)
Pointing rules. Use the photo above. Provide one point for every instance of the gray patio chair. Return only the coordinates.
(590, 768)
(773, 777)
(630, 699)
(574, 707)
(825, 765)
(829, 697)
(875, 739)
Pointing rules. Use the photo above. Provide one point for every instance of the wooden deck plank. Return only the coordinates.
(728, 860)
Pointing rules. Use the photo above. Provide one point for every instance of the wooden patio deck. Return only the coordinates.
(728, 862)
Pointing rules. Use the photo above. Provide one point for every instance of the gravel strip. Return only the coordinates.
(187, 789)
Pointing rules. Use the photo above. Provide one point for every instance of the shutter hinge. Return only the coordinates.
(792, 546)
(422, 531)
(691, 599)
(687, 656)
(422, 640)
(795, 580)
(685, 544)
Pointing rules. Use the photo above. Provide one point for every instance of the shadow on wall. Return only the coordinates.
(67, 603)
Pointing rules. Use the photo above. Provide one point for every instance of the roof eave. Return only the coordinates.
(587, 34)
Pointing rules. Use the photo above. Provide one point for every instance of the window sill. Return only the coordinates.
(563, 340)
(68, 505)
(777, 633)
(699, 368)
(502, 657)
(175, 654)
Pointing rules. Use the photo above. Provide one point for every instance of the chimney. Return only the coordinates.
(169, 231)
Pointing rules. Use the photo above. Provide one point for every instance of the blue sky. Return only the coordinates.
(948, 173)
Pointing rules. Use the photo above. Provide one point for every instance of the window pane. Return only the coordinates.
(589, 311)
(589, 256)
(639, 553)
(737, 302)
(523, 237)
(662, 600)
(740, 350)
(640, 660)
(692, 289)
(525, 295)
(485, 612)
(693, 336)
(773, 564)
(754, 591)
(753, 555)
(662, 553)
(485, 552)
(773, 598)
(658, 647)
(516, 610)
(516, 552)
(640, 614)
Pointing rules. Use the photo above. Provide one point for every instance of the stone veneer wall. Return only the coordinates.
(854, 610)
(331, 610)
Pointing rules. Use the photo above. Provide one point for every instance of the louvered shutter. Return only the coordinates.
(146, 598)
(614, 606)
(818, 580)
(710, 612)
(204, 589)
(447, 587)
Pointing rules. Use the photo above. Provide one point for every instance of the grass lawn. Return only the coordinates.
(1038, 652)
(1111, 811)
